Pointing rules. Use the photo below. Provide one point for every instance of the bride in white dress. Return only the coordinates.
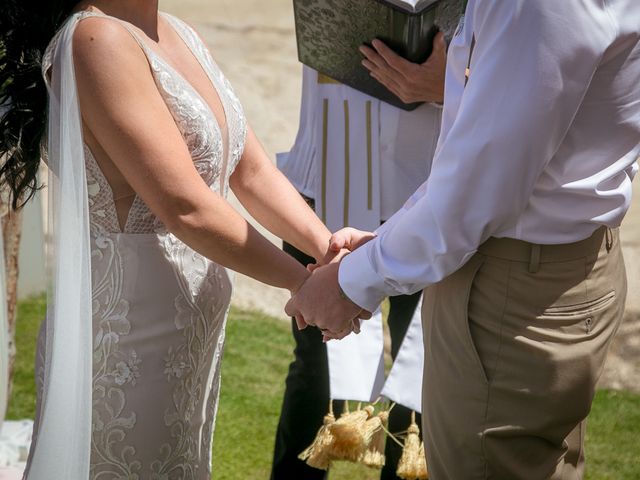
(145, 138)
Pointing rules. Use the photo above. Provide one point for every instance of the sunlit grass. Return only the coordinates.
(257, 355)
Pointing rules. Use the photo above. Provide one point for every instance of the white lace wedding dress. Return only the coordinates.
(159, 308)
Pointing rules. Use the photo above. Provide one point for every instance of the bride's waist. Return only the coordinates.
(96, 235)
(142, 246)
(152, 255)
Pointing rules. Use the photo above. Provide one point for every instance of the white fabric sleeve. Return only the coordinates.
(4, 335)
(404, 383)
(531, 68)
(356, 363)
(299, 164)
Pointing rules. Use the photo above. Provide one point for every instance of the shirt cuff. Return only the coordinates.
(359, 281)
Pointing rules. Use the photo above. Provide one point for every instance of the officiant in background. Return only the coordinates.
(356, 160)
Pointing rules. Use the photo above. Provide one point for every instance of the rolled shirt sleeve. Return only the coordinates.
(532, 65)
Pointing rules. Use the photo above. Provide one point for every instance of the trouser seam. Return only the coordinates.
(497, 362)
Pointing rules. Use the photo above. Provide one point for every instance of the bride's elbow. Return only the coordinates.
(182, 217)
(248, 174)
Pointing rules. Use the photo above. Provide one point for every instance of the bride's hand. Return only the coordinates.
(341, 244)
(332, 256)
(349, 239)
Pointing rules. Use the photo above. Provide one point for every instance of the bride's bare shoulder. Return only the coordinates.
(102, 43)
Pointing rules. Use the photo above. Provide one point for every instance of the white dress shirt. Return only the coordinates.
(540, 146)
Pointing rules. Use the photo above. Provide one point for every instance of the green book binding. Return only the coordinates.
(329, 33)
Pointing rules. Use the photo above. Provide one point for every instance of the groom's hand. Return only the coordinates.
(320, 302)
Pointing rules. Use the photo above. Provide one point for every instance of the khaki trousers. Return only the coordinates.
(514, 344)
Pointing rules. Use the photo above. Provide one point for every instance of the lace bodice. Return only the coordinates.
(196, 122)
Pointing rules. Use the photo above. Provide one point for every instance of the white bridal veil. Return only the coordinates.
(61, 448)
(4, 336)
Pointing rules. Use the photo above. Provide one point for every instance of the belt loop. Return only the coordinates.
(534, 262)
(608, 239)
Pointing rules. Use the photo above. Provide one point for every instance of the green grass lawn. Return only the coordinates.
(257, 354)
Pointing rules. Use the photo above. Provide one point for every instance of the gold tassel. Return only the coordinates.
(317, 455)
(374, 438)
(423, 473)
(413, 464)
(348, 434)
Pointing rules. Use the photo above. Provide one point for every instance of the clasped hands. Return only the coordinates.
(320, 302)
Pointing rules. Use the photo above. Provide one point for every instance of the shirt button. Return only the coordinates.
(589, 322)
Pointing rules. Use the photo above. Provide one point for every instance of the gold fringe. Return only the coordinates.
(360, 436)
(413, 464)
(375, 430)
(317, 455)
(348, 435)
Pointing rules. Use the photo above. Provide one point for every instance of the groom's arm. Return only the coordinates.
(531, 68)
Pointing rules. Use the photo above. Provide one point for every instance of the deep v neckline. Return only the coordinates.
(207, 70)
(178, 30)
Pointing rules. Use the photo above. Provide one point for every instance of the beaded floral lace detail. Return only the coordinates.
(103, 217)
(236, 121)
(114, 369)
(201, 313)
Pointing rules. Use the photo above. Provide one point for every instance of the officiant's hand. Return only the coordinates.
(411, 82)
(320, 303)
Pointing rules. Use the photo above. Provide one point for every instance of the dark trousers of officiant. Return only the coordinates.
(306, 398)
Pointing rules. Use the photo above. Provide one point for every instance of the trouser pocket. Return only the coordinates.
(556, 329)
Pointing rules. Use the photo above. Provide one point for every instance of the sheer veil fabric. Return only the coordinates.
(4, 336)
(62, 447)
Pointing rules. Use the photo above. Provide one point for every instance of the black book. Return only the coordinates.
(329, 33)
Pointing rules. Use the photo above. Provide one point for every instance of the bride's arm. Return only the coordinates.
(125, 113)
(271, 199)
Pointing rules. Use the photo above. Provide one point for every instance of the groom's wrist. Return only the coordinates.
(359, 282)
(344, 296)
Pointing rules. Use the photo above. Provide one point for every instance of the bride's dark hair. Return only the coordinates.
(26, 28)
